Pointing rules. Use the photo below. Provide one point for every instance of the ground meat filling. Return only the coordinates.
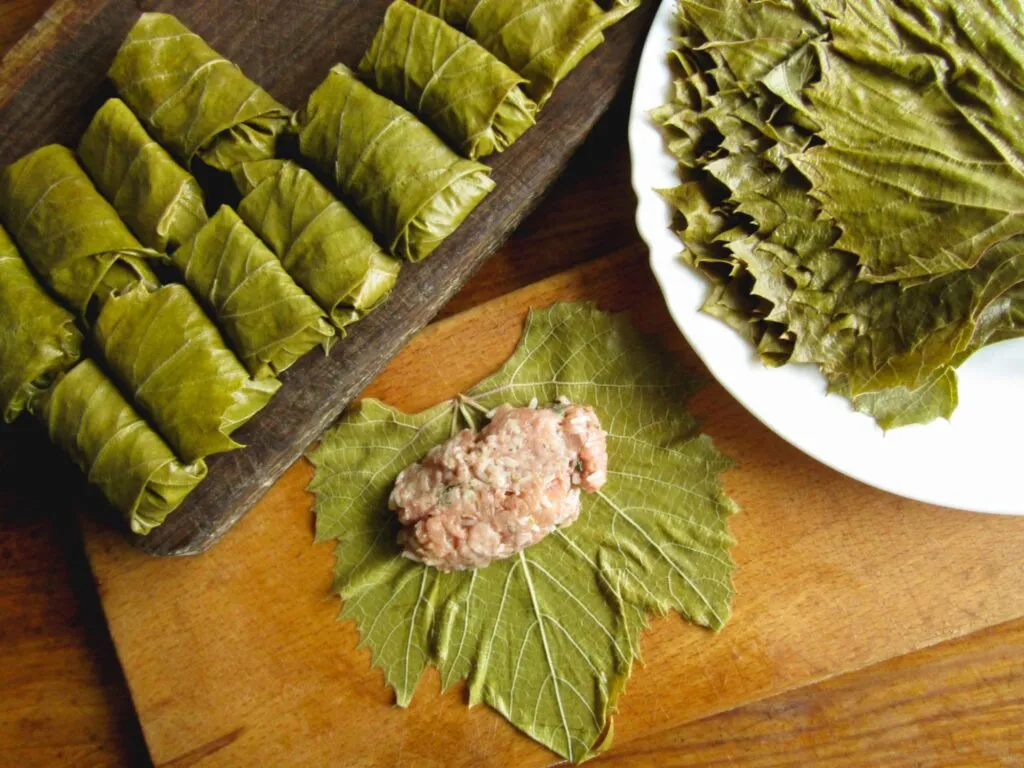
(484, 496)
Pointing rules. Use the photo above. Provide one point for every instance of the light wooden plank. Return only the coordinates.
(237, 652)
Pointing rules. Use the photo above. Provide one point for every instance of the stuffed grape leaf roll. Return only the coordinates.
(455, 86)
(67, 232)
(172, 361)
(321, 243)
(195, 102)
(542, 40)
(87, 416)
(38, 337)
(268, 319)
(402, 179)
(158, 199)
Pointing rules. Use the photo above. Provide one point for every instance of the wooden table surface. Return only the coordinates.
(63, 700)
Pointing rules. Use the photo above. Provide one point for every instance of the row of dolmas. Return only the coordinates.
(142, 331)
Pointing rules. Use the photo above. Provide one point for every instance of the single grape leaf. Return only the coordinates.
(936, 398)
(547, 638)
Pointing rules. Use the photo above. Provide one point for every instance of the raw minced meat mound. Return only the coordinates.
(484, 496)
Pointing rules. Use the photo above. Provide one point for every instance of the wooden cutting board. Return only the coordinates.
(54, 79)
(235, 657)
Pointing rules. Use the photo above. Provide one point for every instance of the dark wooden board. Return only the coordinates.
(52, 81)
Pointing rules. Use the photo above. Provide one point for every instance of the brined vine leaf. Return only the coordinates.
(548, 637)
(854, 199)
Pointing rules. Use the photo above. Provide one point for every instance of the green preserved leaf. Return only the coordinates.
(64, 228)
(804, 305)
(929, 325)
(920, 161)
(403, 180)
(322, 245)
(173, 362)
(919, 186)
(548, 637)
(194, 101)
(455, 86)
(542, 40)
(158, 199)
(267, 318)
(1002, 320)
(38, 338)
(747, 37)
(118, 451)
(855, 202)
(937, 397)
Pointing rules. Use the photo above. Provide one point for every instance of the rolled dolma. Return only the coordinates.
(268, 319)
(158, 199)
(403, 180)
(64, 228)
(195, 102)
(542, 40)
(321, 243)
(172, 361)
(38, 337)
(119, 452)
(455, 86)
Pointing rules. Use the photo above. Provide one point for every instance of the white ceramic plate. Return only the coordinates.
(972, 462)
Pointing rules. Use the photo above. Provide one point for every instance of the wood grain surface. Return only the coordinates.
(959, 703)
(288, 47)
(63, 700)
(834, 576)
(16, 18)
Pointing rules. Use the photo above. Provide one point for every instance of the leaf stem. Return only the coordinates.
(466, 400)
(455, 421)
(467, 416)
(489, 413)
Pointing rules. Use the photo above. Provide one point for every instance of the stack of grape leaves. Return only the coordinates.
(548, 637)
(853, 185)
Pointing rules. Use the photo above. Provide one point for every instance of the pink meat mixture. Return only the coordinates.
(484, 496)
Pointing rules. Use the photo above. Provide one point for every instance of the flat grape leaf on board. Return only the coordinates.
(547, 638)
